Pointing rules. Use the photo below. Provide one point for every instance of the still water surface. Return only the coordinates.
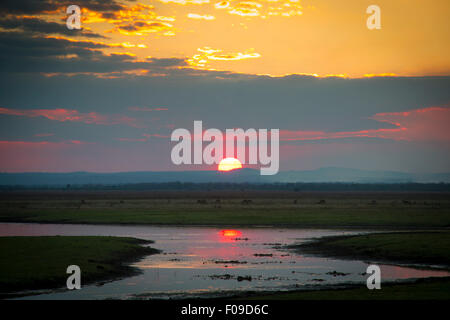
(208, 261)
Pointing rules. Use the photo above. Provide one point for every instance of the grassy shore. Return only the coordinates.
(41, 262)
(310, 211)
(405, 247)
(423, 289)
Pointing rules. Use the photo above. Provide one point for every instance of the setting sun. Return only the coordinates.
(229, 164)
(230, 233)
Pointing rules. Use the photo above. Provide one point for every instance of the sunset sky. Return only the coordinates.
(107, 97)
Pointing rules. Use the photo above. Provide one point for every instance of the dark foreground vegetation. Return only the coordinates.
(41, 262)
(422, 289)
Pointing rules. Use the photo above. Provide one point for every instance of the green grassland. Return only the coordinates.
(296, 210)
(41, 262)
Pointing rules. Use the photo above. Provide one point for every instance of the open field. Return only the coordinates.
(41, 262)
(296, 209)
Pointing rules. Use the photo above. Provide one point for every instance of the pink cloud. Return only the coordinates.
(286, 135)
(156, 135)
(6, 143)
(147, 109)
(428, 124)
(132, 140)
(146, 135)
(64, 115)
(68, 156)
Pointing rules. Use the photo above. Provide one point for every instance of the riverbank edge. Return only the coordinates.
(321, 247)
(120, 265)
(362, 227)
(324, 247)
(406, 290)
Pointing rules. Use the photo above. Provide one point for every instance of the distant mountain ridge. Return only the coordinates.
(329, 174)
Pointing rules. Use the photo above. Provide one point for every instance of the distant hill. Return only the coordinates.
(83, 178)
(331, 174)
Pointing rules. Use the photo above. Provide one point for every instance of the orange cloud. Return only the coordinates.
(262, 9)
(136, 20)
(372, 75)
(246, 9)
(140, 28)
(185, 2)
(222, 5)
(207, 54)
(200, 16)
(127, 13)
(98, 44)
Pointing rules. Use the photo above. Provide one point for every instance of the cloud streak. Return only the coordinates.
(50, 6)
(147, 109)
(208, 54)
(66, 115)
(62, 55)
(427, 124)
(40, 26)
